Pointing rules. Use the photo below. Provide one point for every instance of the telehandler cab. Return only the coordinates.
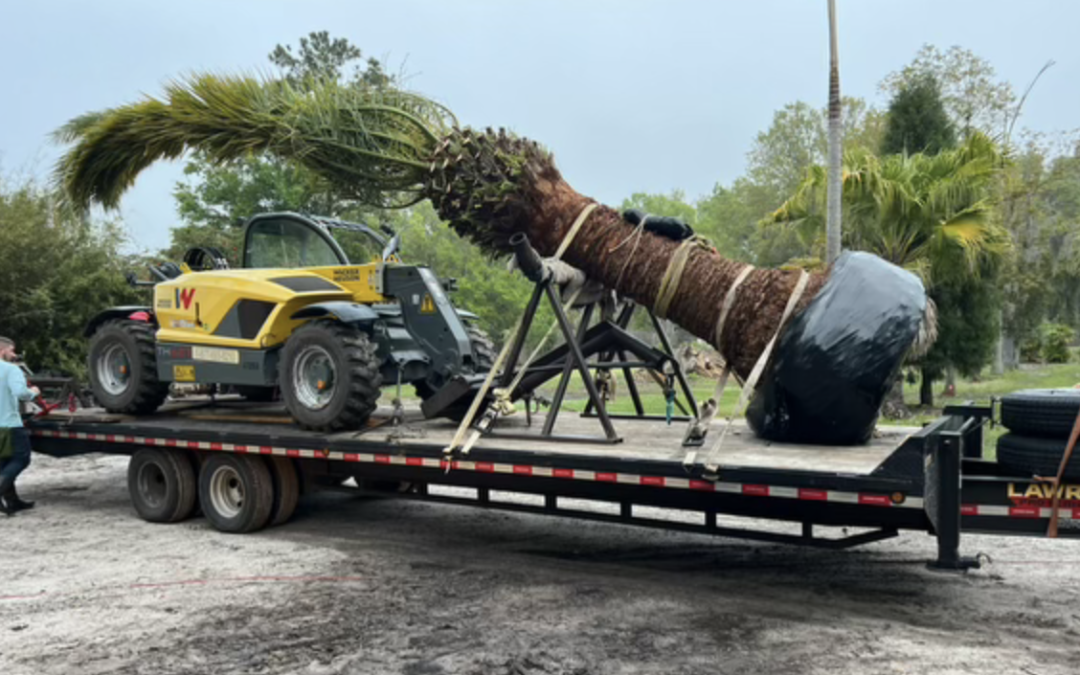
(298, 317)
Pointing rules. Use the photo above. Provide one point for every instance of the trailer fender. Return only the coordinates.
(346, 312)
(133, 312)
(467, 316)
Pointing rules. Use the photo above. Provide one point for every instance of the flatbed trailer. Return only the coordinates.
(931, 479)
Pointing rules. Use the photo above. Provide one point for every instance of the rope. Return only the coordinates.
(759, 367)
(673, 275)
(729, 300)
(474, 407)
(636, 235)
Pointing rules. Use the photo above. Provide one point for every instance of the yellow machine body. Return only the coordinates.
(252, 308)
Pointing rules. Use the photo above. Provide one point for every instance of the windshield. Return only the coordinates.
(283, 242)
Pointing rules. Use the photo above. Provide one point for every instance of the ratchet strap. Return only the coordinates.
(755, 374)
(502, 398)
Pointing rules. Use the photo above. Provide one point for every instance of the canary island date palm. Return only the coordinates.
(391, 148)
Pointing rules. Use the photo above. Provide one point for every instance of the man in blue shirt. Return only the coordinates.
(13, 390)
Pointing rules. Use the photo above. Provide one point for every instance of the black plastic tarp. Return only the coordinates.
(837, 359)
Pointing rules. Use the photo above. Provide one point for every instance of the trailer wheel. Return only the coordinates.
(1037, 456)
(286, 489)
(162, 485)
(236, 492)
(123, 368)
(330, 376)
(1048, 413)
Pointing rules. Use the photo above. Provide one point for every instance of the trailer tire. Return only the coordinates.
(162, 485)
(1037, 456)
(1047, 413)
(236, 492)
(350, 355)
(123, 368)
(286, 489)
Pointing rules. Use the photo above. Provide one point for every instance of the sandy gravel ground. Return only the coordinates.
(357, 585)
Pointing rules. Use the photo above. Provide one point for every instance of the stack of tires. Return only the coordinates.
(1039, 423)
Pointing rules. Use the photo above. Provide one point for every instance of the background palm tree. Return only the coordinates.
(930, 214)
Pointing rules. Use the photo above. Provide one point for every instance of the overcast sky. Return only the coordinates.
(630, 95)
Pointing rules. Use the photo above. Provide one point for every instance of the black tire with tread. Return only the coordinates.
(177, 474)
(146, 392)
(1037, 456)
(286, 489)
(357, 366)
(484, 357)
(258, 486)
(1046, 413)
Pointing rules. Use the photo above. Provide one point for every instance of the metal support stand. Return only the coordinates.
(608, 340)
(607, 362)
(575, 361)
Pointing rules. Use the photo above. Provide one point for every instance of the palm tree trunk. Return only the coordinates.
(926, 389)
(832, 226)
(613, 252)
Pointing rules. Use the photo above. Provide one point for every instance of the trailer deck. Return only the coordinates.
(926, 479)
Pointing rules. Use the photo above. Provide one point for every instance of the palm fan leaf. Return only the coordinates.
(374, 144)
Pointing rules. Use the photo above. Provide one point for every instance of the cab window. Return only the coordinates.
(287, 243)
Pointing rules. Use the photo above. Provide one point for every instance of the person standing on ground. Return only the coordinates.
(13, 390)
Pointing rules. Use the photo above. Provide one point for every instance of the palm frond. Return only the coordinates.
(375, 144)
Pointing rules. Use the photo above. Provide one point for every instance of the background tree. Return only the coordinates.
(917, 121)
(56, 272)
(973, 96)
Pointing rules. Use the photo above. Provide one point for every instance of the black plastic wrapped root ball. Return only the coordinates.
(837, 359)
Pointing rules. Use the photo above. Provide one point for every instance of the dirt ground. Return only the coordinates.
(363, 585)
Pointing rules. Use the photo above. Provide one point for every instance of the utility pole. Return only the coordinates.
(832, 208)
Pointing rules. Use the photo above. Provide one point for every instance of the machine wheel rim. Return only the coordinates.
(152, 484)
(314, 377)
(227, 492)
(114, 369)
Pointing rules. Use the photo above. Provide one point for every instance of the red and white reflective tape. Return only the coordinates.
(671, 482)
(1029, 512)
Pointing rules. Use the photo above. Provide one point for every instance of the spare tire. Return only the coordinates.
(1037, 456)
(1046, 413)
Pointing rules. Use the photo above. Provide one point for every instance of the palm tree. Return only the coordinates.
(390, 148)
(930, 214)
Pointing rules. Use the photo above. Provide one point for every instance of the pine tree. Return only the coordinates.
(917, 120)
